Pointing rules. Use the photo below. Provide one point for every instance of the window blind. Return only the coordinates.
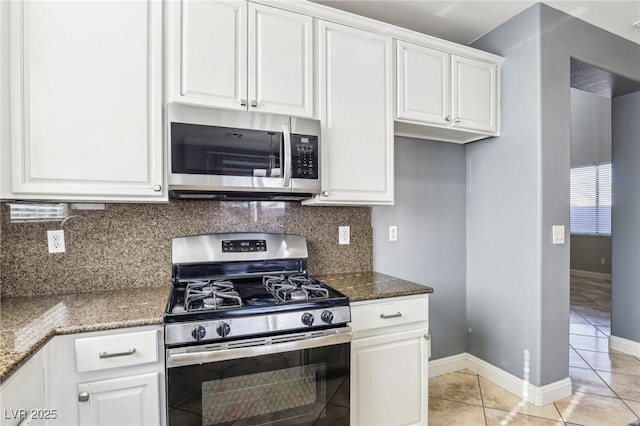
(591, 199)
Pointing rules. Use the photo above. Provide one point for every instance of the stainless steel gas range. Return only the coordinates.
(250, 338)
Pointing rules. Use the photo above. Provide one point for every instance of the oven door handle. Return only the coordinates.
(206, 356)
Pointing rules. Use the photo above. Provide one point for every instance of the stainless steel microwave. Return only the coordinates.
(227, 155)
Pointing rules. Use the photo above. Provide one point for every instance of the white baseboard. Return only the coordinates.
(537, 395)
(449, 364)
(590, 274)
(624, 345)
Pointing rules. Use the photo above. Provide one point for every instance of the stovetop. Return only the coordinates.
(230, 286)
(250, 296)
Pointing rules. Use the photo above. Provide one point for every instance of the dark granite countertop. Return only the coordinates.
(359, 286)
(27, 323)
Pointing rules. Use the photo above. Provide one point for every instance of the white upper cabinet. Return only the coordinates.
(443, 96)
(210, 57)
(423, 84)
(474, 96)
(280, 61)
(86, 100)
(356, 115)
(234, 55)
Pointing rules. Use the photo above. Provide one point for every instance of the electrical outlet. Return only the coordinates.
(393, 233)
(344, 235)
(603, 261)
(55, 240)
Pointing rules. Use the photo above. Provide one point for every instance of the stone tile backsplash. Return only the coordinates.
(129, 245)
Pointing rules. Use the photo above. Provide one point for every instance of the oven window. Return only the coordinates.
(212, 150)
(305, 387)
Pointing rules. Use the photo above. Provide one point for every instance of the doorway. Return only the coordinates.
(593, 367)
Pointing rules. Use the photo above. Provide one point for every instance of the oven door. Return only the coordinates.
(296, 379)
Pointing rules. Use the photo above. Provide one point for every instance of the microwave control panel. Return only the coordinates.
(304, 155)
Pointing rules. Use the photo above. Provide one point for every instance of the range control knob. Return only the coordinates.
(223, 329)
(327, 316)
(198, 332)
(307, 319)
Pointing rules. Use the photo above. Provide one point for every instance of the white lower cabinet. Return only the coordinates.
(113, 377)
(123, 401)
(23, 395)
(389, 361)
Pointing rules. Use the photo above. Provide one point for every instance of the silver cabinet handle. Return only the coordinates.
(243, 102)
(396, 315)
(83, 397)
(254, 104)
(157, 188)
(427, 337)
(104, 355)
(457, 120)
(447, 118)
(325, 193)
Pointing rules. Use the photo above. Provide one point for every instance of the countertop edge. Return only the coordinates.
(23, 357)
(358, 286)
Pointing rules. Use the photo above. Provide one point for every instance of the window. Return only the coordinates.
(591, 199)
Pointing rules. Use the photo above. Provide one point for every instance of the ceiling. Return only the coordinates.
(465, 21)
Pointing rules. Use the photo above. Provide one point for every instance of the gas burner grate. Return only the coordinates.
(206, 295)
(294, 288)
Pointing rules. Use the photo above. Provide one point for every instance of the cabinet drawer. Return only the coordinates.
(389, 312)
(116, 350)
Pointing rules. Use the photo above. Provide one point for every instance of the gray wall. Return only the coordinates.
(503, 211)
(590, 128)
(518, 187)
(625, 317)
(590, 143)
(564, 37)
(429, 211)
(587, 252)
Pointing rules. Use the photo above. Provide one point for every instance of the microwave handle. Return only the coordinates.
(287, 155)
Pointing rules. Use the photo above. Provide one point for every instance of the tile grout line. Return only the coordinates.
(484, 412)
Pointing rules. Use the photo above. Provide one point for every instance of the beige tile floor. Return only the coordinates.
(606, 383)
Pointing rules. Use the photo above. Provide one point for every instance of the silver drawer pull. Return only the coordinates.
(396, 315)
(104, 355)
(83, 397)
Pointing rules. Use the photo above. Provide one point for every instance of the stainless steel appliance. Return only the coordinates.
(250, 338)
(242, 156)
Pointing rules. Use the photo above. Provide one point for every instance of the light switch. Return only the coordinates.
(558, 234)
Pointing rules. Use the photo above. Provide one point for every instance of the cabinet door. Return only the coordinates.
(23, 395)
(389, 379)
(86, 82)
(475, 94)
(356, 115)
(423, 84)
(209, 53)
(280, 61)
(132, 400)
